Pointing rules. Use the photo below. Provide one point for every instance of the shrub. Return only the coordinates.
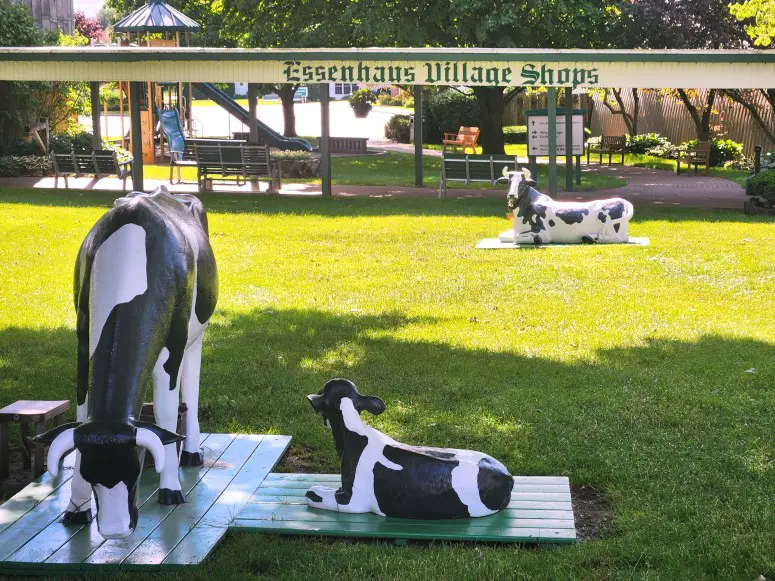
(643, 143)
(389, 100)
(21, 147)
(448, 111)
(515, 134)
(28, 165)
(397, 129)
(65, 142)
(721, 150)
(290, 155)
(763, 185)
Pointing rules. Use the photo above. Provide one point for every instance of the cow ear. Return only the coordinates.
(371, 404)
(316, 401)
(51, 435)
(527, 174)
(165, 436)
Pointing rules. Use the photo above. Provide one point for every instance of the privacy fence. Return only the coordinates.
(660, 113)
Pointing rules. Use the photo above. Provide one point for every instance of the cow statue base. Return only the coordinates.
(538, 219)
(385, 477)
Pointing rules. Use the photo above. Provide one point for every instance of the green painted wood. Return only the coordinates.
(114, 551)
(202, 539)
(56, 534)
(30, 496)
(540, 511)
(88, 540)
(155, 548)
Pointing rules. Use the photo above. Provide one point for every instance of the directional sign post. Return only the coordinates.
(538, 136)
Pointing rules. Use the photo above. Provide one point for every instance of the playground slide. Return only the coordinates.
(269, 135)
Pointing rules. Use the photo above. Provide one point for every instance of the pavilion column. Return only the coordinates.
(569, 139)
(325, 133)
(253, 110)
(137, 139)
(418, 135)
(94, 88)
(552, 110)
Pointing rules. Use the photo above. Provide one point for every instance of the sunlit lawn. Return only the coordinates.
(646, 373)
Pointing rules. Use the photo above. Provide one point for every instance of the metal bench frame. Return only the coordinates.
(187, 157)
(609, 144)
(241, 162)
(494, 163)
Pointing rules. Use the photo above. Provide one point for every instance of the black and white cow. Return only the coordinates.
(538, 219)
(388, 478)
(145, 287)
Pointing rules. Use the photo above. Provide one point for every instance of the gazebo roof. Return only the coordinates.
(156, 16)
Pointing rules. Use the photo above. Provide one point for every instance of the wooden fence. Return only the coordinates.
(663, 114)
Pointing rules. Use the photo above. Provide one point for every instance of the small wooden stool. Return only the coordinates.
(24, 412)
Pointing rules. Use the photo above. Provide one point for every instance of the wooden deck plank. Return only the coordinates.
(154, 549)
(114, 551)
(517, 495)
(30, 496)
(202, 538)
(55, 535)
(304, 485)
(88, 539)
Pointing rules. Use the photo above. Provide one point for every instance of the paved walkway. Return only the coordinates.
(645, 187)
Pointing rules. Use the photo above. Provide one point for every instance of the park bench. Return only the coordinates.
(187, 157)
(465, 137)
(609, 144)
(467, 168)
(695, 157)
(100, 163)
(240, 162)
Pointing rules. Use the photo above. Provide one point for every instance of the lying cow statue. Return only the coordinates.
(145, 287)
(385, 477)
(538, 219)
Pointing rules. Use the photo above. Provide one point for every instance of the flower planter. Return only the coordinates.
(361, 110)
(299, 168)
(755, 207)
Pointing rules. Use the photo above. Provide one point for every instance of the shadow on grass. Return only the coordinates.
(667, 411)
(356, 207)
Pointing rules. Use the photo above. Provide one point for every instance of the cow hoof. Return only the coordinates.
(81, 517)
(168, 497)
(191, 459)
(588, 240)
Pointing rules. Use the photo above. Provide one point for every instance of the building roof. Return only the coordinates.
(156, 16)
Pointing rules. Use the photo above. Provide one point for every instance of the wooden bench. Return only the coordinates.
(695, 157)
(465, 137)
(467, 168)
(609, 144)
(239, 162)
(25, 412)
(187, 157)
(100, 163)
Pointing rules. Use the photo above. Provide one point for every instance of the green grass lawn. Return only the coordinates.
(398, 169)
(645, 373)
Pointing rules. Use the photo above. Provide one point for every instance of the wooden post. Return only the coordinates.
(94, 90)
(552, 110)
(325, 151)
(190, 115)
(253, 110)
(418, 136)
(568, 139)
(137, 141)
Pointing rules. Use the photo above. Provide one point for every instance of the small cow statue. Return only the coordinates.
(388, 478)
(145, 287)
(538, 219)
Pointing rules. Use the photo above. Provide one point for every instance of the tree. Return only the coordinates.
(88, 27)
(16, 101)
(614, 102)
(762, 30)
(486, 23)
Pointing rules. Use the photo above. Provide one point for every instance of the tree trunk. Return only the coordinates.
(745, 98)
(701, 118)
(491, 107)
(630, 119)
(286, 93)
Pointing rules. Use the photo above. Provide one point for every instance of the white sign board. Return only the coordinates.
(538, 135)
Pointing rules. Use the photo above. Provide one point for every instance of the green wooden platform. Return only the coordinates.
(34, 541)
(540, 512)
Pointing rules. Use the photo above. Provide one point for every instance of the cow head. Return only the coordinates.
(110, 462)
(328, 401)
(520, 183)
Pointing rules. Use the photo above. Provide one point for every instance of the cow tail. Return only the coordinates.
(81, 288)
(629, 211)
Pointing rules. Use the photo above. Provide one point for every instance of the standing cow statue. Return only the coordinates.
(388, 478)
(538, 219)
(145, 287)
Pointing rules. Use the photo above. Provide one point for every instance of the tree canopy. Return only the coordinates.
(762, 12)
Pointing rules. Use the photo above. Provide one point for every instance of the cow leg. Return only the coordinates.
(192, 360)
(533, 238)
(322, 497)
(79, 509)
(165, 410)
